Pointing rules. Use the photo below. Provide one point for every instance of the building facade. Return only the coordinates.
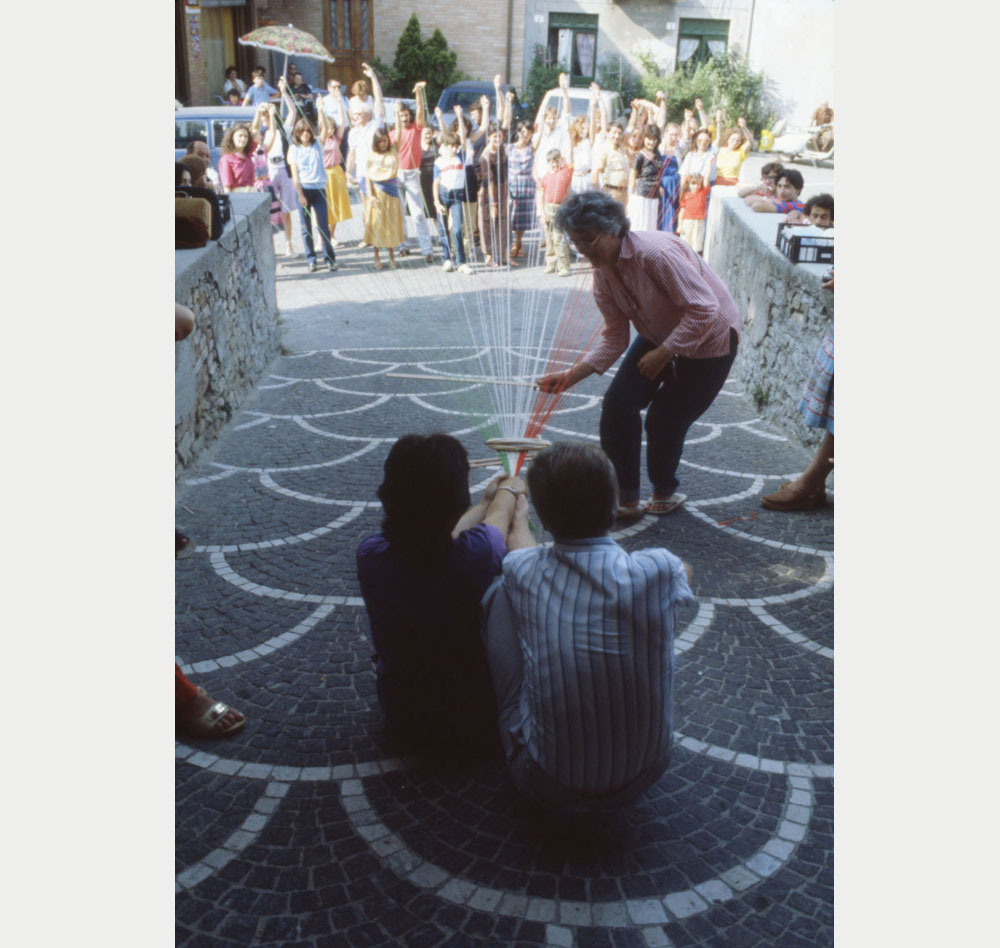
(488, 38)
(790, 40)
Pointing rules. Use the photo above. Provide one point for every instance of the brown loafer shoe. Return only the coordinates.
(788, 497)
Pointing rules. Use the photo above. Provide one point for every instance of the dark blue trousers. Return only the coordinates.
(675, 400)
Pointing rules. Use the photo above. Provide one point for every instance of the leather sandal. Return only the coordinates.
(789, 497)
(209, 724)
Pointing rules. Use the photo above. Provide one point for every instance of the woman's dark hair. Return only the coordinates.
(592, 210)
(230, 69)
(524, 126)
(694, 138)
(824, 201)
(197, 166)
(379, 136)
(227, 146)
(793, 177)
(574, 490)
(179, 170)
(424, 490)
(653, 132)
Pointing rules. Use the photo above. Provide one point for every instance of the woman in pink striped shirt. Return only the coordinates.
(688, 331)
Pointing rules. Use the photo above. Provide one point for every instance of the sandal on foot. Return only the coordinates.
(212, 722)
(629, 512)
(789, 497)
(660, 508)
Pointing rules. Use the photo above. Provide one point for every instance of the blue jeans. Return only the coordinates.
(315, 205)
(451, 201)
(676, 399)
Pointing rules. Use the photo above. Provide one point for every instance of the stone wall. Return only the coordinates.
(785, 311)
(230, 286)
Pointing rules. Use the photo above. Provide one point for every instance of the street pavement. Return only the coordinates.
(308, 829)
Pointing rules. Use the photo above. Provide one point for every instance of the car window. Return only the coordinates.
(189, 130)
(219, 127)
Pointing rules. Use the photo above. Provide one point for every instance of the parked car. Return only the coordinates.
(467, 94)
(390, 109)
(579, 103)
(207, 123)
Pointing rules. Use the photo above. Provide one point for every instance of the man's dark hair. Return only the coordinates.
(258, 71)
(574, 490)
(793, 177)
(824, 201)
(424, 490)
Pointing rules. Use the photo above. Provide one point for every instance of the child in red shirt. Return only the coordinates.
(694, 204)
(555, 186)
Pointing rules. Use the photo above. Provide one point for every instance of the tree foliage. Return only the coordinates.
(540, 79)
(723, 82)
(431, 61)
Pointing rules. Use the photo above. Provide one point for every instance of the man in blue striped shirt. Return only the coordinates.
(579, 638)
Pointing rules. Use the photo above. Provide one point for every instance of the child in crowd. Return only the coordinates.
(818, 211)
(449, 192)
(786, 195)
(768, 179)
(644, 182)
(383, 209)
(233, 97)
(693, 211)
(739, 143)
(554, 187)
(259, 92)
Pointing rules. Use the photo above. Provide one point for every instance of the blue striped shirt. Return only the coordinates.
(595, 626)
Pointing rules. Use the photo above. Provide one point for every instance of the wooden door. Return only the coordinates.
(349, 30)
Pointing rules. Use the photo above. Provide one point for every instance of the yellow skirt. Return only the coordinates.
(338, 202)
(383, 219)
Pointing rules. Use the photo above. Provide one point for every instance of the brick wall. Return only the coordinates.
(477, 32)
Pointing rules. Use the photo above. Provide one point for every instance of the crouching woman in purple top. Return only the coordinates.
(422, 579)
(688, 332)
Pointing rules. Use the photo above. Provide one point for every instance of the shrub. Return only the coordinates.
(723, 82)
(416, 60)
(540, 79)
(618, 75)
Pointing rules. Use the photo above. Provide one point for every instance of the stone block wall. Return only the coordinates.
(785, 311)
(230, 286)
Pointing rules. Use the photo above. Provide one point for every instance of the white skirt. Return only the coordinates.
(642, 212)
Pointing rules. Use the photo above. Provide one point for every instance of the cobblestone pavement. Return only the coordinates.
(307, 829)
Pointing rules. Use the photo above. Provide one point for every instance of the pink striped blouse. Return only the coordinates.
(669, 294)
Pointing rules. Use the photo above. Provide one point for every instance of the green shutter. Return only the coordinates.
(709, 29)
(575, 21)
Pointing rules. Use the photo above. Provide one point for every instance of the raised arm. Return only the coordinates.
(420, 95)
(290, 103)
(498, 97)
(508, 110)
(718, 128)
(742, 123)
(661, 109)
(461, 129)
(564, 90)
(378, 107)
(701, 113)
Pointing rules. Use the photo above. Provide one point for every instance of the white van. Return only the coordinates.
(579, 102)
